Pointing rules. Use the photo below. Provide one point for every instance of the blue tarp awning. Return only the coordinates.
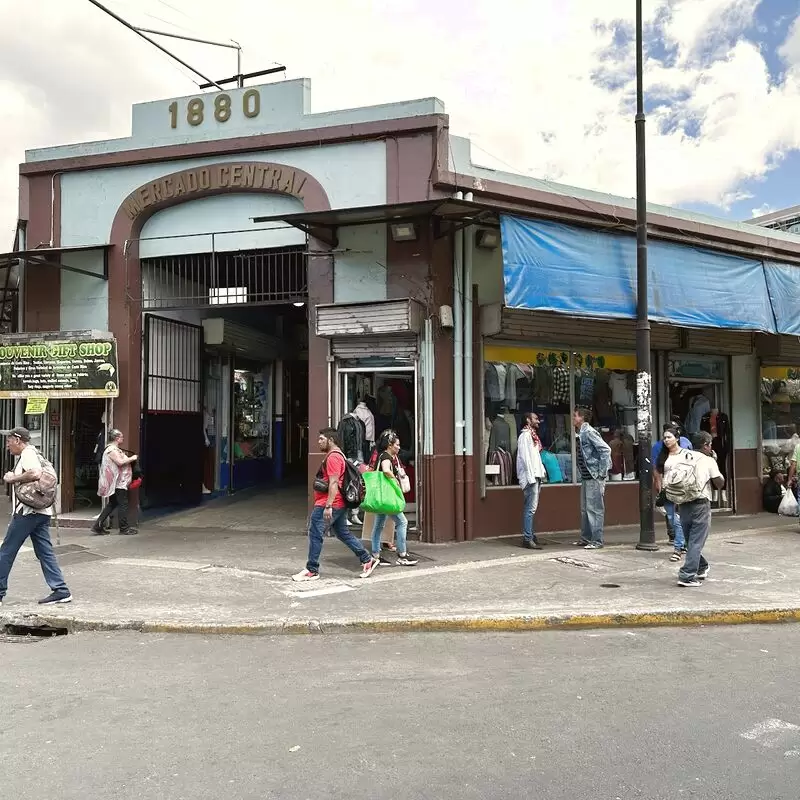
(549, 266)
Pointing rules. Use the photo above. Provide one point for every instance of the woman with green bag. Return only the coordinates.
(389, 465)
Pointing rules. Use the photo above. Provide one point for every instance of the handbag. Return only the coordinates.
(405, 481)
(384, 495)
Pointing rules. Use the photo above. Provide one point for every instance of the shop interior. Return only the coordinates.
(698, 398)
(384, 398)
(550, 383)
(780, 417)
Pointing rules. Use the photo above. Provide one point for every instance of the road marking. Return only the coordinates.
(770, 732)
(187, 566)
(323, 590)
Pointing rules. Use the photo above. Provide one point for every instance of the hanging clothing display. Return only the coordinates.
(700, 406)
(719, 426)
(368, 418)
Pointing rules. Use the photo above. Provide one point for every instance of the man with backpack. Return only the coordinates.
(31, 520)
(692, 478)
(334, 483)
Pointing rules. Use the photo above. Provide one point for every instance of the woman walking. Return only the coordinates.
(116, 474)
(388, 463)
(672, 447)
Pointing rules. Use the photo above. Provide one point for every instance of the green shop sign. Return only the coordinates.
(64, 368)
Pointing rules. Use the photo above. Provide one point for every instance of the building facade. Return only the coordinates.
(263, 270)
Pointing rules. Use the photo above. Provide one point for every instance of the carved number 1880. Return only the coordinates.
(223, 108)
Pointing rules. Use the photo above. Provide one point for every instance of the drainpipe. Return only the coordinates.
(458, 381)
(469, 421)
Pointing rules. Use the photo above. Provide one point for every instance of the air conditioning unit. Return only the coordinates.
(247, 342)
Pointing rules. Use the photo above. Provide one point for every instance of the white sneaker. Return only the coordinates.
(369, 567)
(305, 575)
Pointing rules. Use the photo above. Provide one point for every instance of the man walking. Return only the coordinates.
(330, 510)
(696, 514)
(530, 474)
(27, 521)
(594, 462)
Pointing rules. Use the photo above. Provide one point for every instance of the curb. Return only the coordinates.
(441, 624)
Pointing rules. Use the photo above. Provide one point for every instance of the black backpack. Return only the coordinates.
(353, 489)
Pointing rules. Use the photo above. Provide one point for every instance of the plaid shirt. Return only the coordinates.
(560, 385)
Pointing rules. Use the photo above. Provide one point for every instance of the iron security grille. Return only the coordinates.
(202, 280)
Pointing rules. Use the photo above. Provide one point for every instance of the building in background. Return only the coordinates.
(264, 269)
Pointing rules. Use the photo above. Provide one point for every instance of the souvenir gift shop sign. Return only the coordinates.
(58, 368)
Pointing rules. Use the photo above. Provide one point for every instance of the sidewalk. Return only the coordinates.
(237, 582)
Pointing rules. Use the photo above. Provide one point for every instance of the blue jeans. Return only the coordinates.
(696, 521)
(675, 521)
(593, 510)
(400, 528)
(316, 534)
(37, 526)
(530, 495)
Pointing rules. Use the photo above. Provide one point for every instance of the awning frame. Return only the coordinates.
(44, 257)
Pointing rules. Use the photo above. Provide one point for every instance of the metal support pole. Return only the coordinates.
(644, 421)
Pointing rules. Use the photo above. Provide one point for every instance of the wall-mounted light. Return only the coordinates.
(298, 305)
(487, 238)
(403, 231)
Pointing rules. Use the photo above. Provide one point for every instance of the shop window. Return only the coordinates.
(780, 417)
(518, 380)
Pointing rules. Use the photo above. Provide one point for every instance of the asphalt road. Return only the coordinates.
(618, 715)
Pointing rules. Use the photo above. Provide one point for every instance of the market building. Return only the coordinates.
(261, 270)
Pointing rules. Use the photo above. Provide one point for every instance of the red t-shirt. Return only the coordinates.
(332, 467)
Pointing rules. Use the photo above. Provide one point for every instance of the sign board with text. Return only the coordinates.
(63, 368)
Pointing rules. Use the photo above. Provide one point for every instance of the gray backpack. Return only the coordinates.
(39, 494)
(681, 484)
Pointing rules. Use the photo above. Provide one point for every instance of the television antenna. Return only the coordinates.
(239, 78)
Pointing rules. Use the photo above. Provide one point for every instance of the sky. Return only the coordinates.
(545, 88)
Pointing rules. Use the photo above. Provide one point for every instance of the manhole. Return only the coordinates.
(81, 557)
(63, 549)
(34, 631)
(610, 586)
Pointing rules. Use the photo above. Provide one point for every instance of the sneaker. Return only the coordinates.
(703, 573)
(306, 575)
(692, 584)
(99, 531)
(369, 567)
(676, 556)
(593, 546)
(581, 543)
(129, 532)
(60, 596)
(407, 560)
(531, 544)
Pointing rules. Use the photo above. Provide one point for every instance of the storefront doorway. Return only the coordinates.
(390, 395)
(699, 397)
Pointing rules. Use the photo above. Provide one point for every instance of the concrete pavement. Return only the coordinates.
(169, 579)
(585, 715)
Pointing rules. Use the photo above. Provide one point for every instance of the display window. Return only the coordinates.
(780, 417)
(551, 382)
(252, 420)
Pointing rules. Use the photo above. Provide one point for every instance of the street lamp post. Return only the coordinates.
(644, 422)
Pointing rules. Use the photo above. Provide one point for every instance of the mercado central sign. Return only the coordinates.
(245, 176)
(58, 368)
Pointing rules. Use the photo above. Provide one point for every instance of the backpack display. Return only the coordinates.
(39, 494)
(681, 484)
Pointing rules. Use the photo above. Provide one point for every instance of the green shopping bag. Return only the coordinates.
(384, 495)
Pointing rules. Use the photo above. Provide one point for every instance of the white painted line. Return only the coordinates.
(769, 732)
(188, 566)
(323, 590)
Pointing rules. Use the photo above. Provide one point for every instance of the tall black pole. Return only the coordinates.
(644, 422)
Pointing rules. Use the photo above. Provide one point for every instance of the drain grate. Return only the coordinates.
(610, 586)
(6, 639)
(34, 632)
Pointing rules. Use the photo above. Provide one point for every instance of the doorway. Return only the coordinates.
(699, 397)
(390, 395)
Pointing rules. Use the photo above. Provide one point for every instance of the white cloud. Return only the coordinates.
(516, 74)
(764, 208)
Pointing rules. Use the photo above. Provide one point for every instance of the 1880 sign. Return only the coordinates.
(76, 368)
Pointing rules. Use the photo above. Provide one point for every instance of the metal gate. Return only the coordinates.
(172, 412)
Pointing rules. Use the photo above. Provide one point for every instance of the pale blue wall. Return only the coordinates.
(745, 408)
(352, 175)
(229, 212)
(84, 300)
(360, 272)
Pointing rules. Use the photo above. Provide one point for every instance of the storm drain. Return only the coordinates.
(31, 633)
(610, 586)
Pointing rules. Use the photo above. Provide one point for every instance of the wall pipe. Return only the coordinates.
(469, 415)
(458, 383)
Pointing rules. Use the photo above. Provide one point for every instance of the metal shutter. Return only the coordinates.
(399, 347)
(714, 341)
(544, 328)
